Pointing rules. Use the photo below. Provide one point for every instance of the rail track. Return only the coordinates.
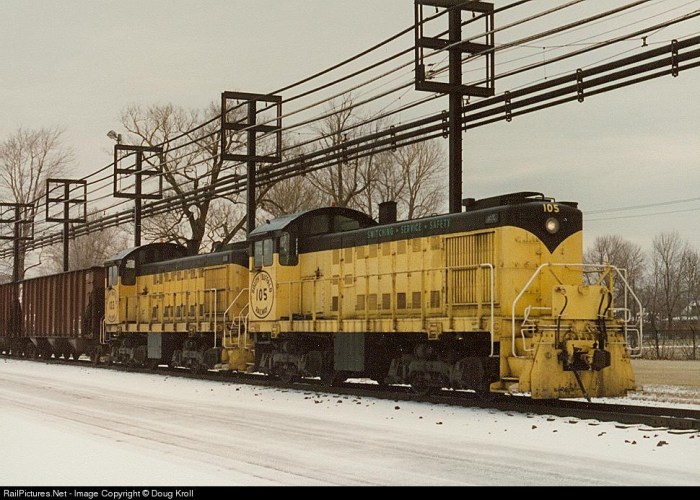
(675, 419)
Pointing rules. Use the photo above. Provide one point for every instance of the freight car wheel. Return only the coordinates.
(95, 356)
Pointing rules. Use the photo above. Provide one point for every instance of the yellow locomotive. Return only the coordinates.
(163, 307)
(493, 299)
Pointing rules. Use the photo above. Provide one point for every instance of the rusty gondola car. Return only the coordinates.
(59, 314)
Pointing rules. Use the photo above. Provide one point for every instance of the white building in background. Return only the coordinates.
(691, 312)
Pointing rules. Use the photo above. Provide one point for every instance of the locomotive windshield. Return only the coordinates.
(263, 252)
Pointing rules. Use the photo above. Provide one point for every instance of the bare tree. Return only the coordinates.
(668, 271)
(294, 194)
(343, 183)
(613, 249)
(290, 196)
(408, 175)
(88, 250)
(193, 164)
(626, 256)
(411, 177)
(692, 285)
(27, 159)
(691, 282)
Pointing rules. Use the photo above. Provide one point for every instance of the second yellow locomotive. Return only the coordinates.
(163, 307)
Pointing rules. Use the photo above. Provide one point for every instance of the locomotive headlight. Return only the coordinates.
(552, 225)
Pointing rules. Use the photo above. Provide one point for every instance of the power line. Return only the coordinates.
(648, 205)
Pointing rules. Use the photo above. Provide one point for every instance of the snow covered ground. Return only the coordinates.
(72, 425)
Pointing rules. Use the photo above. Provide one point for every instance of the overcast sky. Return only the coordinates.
(78, 63)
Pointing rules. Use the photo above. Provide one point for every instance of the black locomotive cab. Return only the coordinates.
(281, 236)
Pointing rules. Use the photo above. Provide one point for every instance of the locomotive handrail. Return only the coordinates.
(216, 318)
(239, 316)
(634, 352)
(526, 317)
(622, 273)
(601, 267)
(235, 300)
(243, 323)
(491, 293)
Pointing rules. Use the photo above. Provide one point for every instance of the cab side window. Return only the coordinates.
(288, 250)
(129, 272)
(113, 275)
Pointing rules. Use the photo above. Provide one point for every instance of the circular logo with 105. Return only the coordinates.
(262, 291)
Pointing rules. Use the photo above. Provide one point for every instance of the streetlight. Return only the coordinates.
(114, 136)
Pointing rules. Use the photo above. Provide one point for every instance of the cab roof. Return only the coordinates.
(318, 221)
(153, 252)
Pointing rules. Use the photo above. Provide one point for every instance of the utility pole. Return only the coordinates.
(136, 173)
(74, 208)
(454, 87)
(252, 127)
(17, 222)
(455, 147)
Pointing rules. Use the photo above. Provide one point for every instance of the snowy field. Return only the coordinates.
(72, 425)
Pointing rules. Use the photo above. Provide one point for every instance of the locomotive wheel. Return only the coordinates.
(381, 382)
(287, 377)
(422, 388)
(330, 378)
(140, 355)
(485, 395)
